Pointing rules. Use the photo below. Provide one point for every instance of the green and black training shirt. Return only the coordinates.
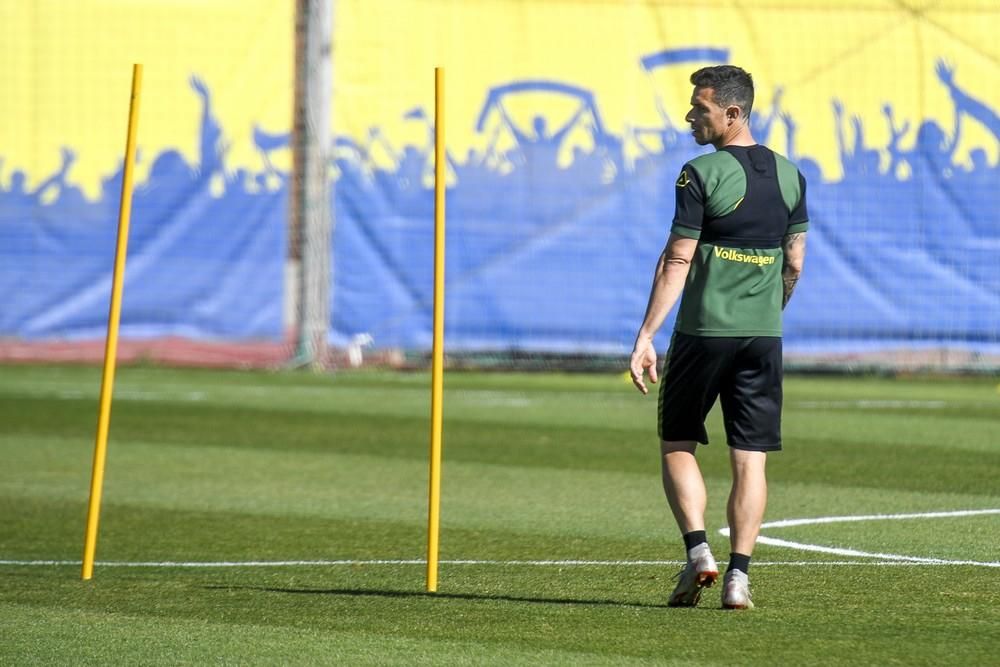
(739, 202)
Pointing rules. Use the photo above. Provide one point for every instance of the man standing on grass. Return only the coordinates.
(736, 249)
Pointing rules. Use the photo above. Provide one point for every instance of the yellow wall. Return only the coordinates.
(65, 67)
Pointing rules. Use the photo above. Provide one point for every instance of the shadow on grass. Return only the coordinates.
(358, 592)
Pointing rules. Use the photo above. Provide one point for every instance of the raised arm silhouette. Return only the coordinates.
(965, 103)
(212, 150)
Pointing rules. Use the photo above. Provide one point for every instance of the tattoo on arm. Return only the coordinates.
(789, 287)
(793, 246)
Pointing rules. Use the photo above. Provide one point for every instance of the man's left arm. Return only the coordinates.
(794, 247)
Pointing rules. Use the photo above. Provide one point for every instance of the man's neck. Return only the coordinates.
(740, 137)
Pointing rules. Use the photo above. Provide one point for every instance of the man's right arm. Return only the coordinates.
(668, 283)
(671, 272)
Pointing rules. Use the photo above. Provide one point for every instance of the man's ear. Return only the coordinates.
(733, 113)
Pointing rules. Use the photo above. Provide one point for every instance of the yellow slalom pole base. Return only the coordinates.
(111, 345)
(437, 370)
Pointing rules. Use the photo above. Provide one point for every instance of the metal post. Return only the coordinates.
(311, 227)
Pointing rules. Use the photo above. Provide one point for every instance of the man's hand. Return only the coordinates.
(643, 359)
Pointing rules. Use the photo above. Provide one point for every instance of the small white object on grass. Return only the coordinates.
(354, 351)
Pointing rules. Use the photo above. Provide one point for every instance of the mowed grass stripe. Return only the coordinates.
(535, 401)
(142, 533)
(537, 612)
(959, 431)
(538, 398)
(198, 425)
(628, 417)
(848, 451)
(278, 483)
(162, 379)
(288, 486)
(911, 467)
(792, 499)
(201, 641)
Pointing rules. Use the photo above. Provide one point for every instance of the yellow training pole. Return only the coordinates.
(111, 345)
(437, 370)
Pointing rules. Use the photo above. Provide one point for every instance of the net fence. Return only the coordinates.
(566, 133)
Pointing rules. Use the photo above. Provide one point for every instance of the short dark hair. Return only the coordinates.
(732, 85)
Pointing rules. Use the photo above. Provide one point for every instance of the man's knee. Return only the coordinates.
(672, 446)
(747, 462)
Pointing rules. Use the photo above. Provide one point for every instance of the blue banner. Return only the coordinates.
(559, 203)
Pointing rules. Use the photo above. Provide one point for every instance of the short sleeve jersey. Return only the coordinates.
(739, 202)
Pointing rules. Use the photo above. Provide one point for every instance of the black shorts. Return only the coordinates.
(744, 372)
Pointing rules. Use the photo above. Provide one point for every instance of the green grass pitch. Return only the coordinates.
(215, 477)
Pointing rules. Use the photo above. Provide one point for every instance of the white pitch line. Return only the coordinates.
(330, 563)
(835, 551)
(839, 551)
(785, 523)
(882, 558)
(501, 563)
